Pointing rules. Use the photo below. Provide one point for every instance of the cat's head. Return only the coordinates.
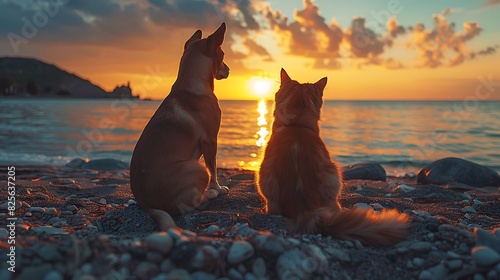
(298, 103)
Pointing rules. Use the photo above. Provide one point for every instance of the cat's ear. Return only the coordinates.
(321, 84)
(284, 76)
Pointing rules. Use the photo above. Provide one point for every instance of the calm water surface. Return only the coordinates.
(402, 136)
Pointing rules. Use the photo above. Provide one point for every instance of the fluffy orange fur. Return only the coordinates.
(300, 180)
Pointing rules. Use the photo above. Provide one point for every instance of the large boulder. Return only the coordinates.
(457, 170)
(364, 171)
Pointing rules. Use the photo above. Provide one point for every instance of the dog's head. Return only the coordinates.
(298, 103)
(211, 47)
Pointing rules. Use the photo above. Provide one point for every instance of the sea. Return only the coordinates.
(403, 136)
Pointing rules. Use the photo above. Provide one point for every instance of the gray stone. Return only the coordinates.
(292, 265)
(106, 164)
(259, 267)
(36, 272)
(48, 230)
(250, 276)
(421, 247)
(145, 270)
(205, 259)
(484, 238)
(469, 209)
(485, 256)
(454, 264)
(3, 232)
(425, 275)
(49, 253)
(51, 211)
(365, 171)
(166, 265)
(159, 241)
(456, 170)
(268, 244)
(239, 252)
(179, 274)
(202, 275)
(234, 274)
(75, 163)
(213, 228)
(53, 275)
(160, 276)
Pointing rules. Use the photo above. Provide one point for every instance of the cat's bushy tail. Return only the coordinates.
(376, 229)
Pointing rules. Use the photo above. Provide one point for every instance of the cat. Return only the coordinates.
(300, 181)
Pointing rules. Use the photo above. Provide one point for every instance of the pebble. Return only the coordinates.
(454, 264)
(291, 264)
(66, 212)
(145, 270)
(234, 274)
(71, 208)
(418, 262)
(202, 275)
(28, 214)
(485, 256)
(269, 244)
(86, 268)
(205, 259)
(36, 209)
(213, 228)
(48, 230)
(160, 276)
(3, 232)
(179, 274)
(469, 209)
(25, 204)
(404, 188)
(484, 238)
(160, 241)
(239, 252)
(51, 211)
(259, 267)
(362, 206)
(54, 275)
(421, 247)
(166, 265)
(377, 206)
(102, 201)
(425, 275)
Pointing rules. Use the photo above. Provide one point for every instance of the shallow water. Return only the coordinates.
(402, 136)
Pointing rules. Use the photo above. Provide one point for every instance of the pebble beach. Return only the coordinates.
(80, 221)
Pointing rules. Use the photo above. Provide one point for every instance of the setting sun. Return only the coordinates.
(261, 86)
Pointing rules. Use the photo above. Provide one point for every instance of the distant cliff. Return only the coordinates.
(28, 77)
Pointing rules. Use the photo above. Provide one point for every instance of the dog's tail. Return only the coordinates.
(375, 229)
(163, 220)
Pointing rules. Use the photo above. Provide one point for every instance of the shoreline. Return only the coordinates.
(95, 211)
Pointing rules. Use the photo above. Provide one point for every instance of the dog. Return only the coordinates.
(300, 181)
(166, 175)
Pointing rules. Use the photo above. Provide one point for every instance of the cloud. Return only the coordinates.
(492, 2)
(435, 44)
(308, 35)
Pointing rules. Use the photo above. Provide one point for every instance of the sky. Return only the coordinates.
(369, 50)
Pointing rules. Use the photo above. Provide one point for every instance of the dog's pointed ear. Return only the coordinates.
(196, 36)
(321, 84)
(216, 38)
(284, 76)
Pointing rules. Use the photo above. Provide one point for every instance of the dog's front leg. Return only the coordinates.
(209, 151)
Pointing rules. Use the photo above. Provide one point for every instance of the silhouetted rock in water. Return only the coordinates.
(365, 171)
(75, 163)
(456, 170)
(106, 164)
